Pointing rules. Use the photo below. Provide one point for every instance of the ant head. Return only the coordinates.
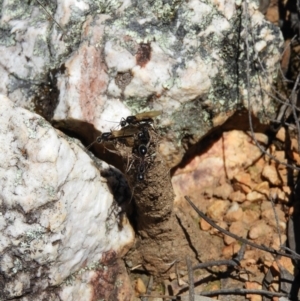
(142, 150)
(123, 122)
(105, 136)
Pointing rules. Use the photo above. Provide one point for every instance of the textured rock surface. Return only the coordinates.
(60, 234)
(185, 57)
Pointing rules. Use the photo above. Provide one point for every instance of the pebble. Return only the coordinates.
(234, 213)
(269, 216)
(263, 188)
(243, 182)
(230, 250)
(237, 228)
(204, 225)
(281, 134)
(237, 196)
(217, 209)
(270, 173)
(250, 216)
(255, 196)
(223, 191)
(140, 287)
(260, 229)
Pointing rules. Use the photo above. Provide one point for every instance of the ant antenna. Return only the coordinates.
(89, 146)
(45, 10)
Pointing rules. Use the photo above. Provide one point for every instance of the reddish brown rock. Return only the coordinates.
(270, 173)
(217, 209)
(223, 191)
(250, 216)
(260, 229)
(237, 228)
(234, 213)
(243, 182)
(237, 196)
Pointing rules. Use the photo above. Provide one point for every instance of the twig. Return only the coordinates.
(243, 240)
(191, 279)
(294, 103)
(277, 221)
(149, 289)
(241, 291)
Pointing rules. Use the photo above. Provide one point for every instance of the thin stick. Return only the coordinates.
(241, 291)
(243, 240)
(191, 279)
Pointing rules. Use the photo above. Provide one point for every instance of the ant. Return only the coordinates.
(145, 117)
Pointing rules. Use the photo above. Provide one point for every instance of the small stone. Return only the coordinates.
(217, 209)
(172, 276)
(243, 182)
(269, 216)
(221, 224)
(276, 242)
(237, 228)
(263, 188)
(270, 173)
(229, 251)
(140, 287)
(256, 169)
(287, 263)
(223, 191)
(234, 213)
(204, 225)
(250, 216)
(253, 286)
(280, 155)
(237, 196)
(296, 157)
(281, 134)
(265, 205)
(294, 145)
(260, 229)
(255, 196)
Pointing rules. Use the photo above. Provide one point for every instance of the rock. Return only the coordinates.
(260, 229)
(250, 216)
(60, 222)
(225, 159)
(217, 209)
(276, 242)
(281, 135)
(263, 188)
(204, 225)
(270, 173)
(223, 191)
(234, 213)
(107, 61)
(284, 262)
(256, 169)
(243, 182)
(255, 196)
(269, 216)
(237, 196)
(237, 228)
(140, 287)
(253, 286)
(230, 250)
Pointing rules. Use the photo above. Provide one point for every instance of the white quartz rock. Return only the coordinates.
(58, 217)
(117, 58)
